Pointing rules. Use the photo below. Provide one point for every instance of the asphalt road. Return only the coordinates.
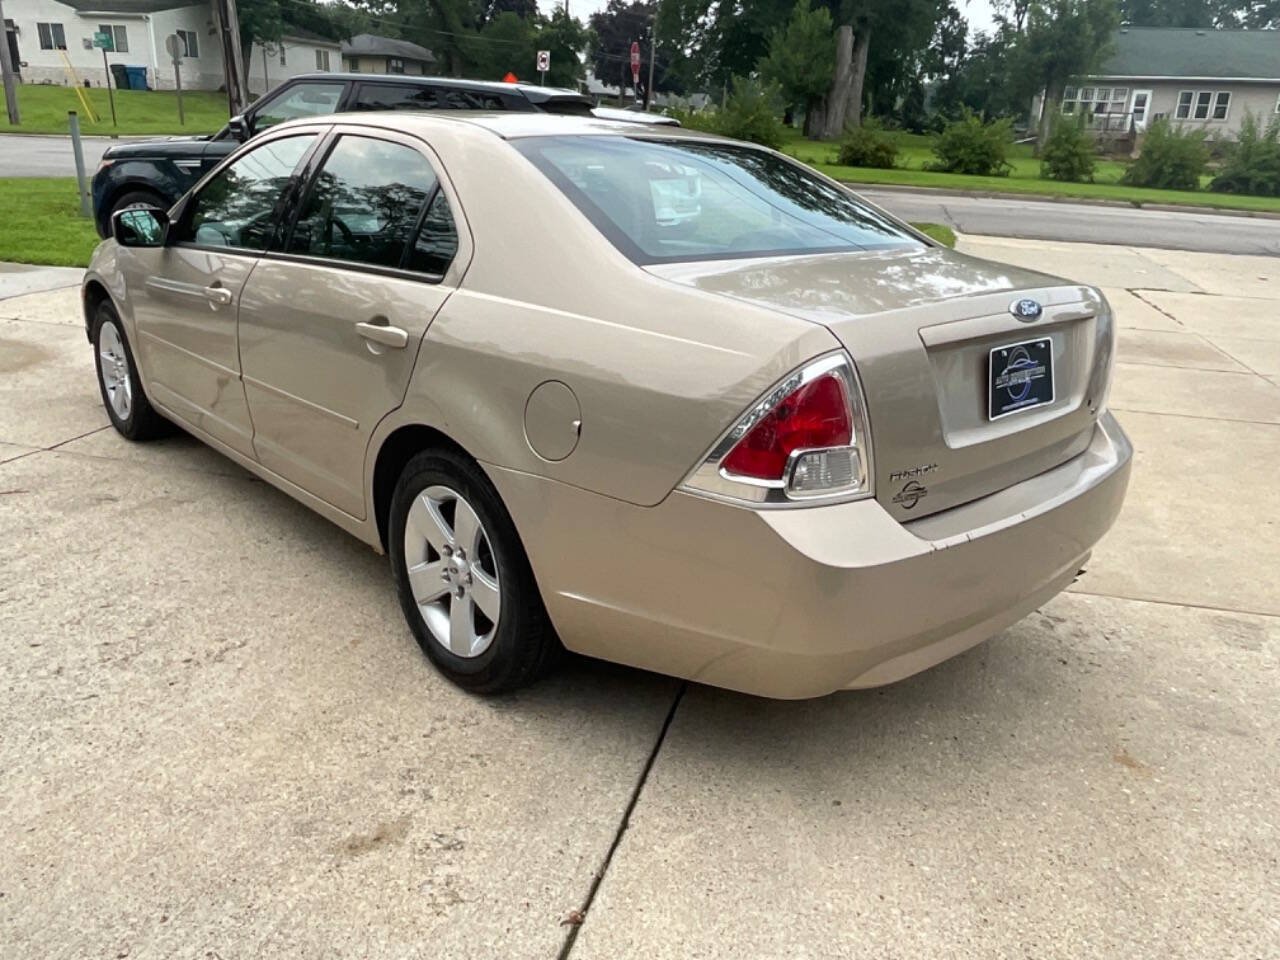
(1086, 223)
(1027, 219)
(48, 156)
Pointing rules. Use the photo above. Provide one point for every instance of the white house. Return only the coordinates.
(51, 42)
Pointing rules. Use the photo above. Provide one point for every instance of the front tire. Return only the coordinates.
(464, 582)
(127, 405)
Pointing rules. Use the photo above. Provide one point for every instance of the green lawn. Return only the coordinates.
(939, 231)
(916, 153)
(44, 110)
(42, 222)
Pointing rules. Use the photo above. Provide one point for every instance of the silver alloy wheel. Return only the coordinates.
(113, 365)
(452, 571)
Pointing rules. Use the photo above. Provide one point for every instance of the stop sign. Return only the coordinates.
(635, 62)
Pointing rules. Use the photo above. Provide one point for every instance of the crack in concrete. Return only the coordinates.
(579, 916)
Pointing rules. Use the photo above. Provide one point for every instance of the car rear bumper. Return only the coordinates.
(799, 603)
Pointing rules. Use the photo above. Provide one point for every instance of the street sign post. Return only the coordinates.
(175, 47)
(544, 64)
(103, 40)
(635, 64)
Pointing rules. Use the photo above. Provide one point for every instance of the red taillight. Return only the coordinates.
(816, 415)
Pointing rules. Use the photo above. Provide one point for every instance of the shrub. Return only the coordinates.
(1070, 152)
(707, 120)
(869, 145)
(1253, 163)
(1172, 158)
(750, 113)
(968, 145)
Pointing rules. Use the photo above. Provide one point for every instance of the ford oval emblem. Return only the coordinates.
(1026, 309)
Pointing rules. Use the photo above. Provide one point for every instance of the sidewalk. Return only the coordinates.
(219, 739)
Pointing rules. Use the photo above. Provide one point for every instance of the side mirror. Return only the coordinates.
(140, 227)
(239, 128)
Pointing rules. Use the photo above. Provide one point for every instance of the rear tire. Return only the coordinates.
(464, 582)
(127, 406)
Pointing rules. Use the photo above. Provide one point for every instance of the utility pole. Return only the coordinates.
(653, 45)
(7, 69)
(232, 58)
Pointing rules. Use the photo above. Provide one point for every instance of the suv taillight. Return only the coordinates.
(805, 439)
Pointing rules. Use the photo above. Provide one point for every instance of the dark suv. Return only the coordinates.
(155, 173)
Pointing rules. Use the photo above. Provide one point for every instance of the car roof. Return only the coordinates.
(533, 91)
(513, 125)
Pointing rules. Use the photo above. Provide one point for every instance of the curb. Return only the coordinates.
(1058, 198)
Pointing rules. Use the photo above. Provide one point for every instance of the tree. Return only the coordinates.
(528, 9)
(613, 30)
(800, 60)
(507, 43)
(1065, 39)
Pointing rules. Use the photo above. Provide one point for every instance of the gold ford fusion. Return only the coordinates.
(667, 399)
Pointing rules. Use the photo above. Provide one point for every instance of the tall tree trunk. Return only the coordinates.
(1052, 98)
(861, 45)
(814, 117)
(838, 95)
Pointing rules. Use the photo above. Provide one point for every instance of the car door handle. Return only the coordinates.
(220, 295)
(379, 333)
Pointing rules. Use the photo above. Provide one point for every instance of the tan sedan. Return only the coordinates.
(667, 399)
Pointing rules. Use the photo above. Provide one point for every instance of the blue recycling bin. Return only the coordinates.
(137, 78)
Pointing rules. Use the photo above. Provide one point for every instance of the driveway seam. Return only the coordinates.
(576, 921)
(1196, 416)
(1175, 603)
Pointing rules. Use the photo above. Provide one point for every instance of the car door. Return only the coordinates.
(185, 310)
(330, 325)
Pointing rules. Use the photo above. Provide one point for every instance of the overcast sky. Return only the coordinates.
(977, 12)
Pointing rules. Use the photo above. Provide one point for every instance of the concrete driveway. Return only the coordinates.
(218, 739)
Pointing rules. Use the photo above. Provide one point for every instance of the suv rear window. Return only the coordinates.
(662, 201)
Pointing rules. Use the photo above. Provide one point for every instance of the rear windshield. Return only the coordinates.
(663, 201)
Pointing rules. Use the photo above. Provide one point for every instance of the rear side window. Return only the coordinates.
(454, 98)
(437, 241)
(662, 201)
(300, 100)
(237, 207)
(364, 203)
(388, 96)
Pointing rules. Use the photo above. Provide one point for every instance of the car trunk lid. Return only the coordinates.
(921, 325)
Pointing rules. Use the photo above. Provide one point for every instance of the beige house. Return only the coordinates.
(370, 53)
(1203, 78)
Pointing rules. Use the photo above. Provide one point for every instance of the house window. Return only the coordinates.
(119, 37)
(1092, 101)
(322, 60)
(1203, 105)
(52, 36)
(190, 45)
(395, 65)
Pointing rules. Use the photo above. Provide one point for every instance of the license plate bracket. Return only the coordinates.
(1019, 377)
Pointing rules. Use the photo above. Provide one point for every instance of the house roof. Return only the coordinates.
(1185, 52)
(302, 33)
(372, 45)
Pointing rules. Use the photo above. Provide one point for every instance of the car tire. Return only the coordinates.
(442, 507)
(127, 406)
(135, 198)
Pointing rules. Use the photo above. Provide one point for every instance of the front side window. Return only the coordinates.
(300, 100)
(52, 36)
(237, 207)
(364, 204)
(394, 96)
(662, 201)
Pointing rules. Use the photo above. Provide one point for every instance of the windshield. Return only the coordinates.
(663, 201)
